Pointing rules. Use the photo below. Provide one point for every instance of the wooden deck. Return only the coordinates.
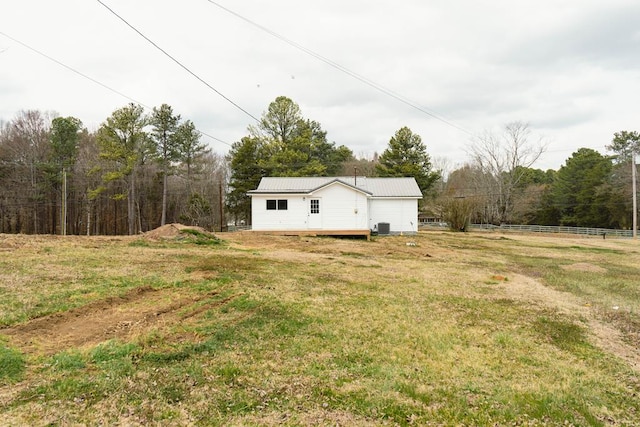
(314, 233)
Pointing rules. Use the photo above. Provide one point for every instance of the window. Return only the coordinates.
(281, 205)
(315, 206)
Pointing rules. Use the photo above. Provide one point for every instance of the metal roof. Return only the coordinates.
(375, 187)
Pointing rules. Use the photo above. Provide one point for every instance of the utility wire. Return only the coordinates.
(214, 138)
(178, 62)
(95, 81)
(343, 69)
(71, 69)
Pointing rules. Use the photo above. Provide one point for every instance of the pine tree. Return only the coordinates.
(244, 159)
(163, 135)
(406, 156)
(123, 141)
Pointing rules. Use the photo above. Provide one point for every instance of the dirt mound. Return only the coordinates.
(172, 231)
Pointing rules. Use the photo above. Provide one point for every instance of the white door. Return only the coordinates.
(315, 214)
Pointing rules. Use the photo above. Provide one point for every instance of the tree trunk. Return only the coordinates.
(131, 204)
(163, 220)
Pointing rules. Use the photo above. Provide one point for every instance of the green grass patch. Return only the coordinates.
(200, 238)
(67, 361)
(353, 254)
(112, 350)
(565, 335)
(67, 389)
(140, 243)
(595, 250)
(232, 265)
(12, 365)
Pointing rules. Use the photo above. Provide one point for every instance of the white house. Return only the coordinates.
(336, 205)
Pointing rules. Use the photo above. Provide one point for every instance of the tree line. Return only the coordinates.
(500, 186)
(142, 170)
(136, 172)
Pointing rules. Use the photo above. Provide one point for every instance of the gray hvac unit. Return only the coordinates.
(383, 228)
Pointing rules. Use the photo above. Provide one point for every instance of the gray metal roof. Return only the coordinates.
(375, 187)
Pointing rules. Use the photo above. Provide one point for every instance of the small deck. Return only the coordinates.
(315, 233)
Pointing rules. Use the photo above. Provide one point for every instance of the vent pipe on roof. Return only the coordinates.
(355, 176)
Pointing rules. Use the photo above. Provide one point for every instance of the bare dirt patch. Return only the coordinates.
(298, 248)
(116, 317)
(316, 417)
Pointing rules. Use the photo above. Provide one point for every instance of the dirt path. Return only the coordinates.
(118, 317)
(605, 336)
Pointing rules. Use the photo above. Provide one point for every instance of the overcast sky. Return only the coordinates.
(569, 68)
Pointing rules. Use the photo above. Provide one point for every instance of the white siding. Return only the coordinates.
(342, 208)
(294, 218)
(401, 214)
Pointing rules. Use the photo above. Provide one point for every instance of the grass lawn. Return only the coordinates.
(435, 329)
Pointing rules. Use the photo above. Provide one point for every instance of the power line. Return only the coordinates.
(72, 69)
(343, 69)
(184, 67)
(95, 81)
(214, 138)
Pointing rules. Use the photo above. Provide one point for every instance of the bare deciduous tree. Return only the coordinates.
(502, 159)
(25, 148)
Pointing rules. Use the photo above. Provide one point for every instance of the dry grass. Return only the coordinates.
(434, 329)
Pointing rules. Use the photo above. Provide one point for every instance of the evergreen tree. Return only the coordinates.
(65, 134)
(574, 192)
(283, 143)
(123, 141)
(310, 134)
(278, 123)
(190, 149)
(293, 146)
(64, 137)
(163, 135)
(407, 156)
(244, 159)
(624, 144)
